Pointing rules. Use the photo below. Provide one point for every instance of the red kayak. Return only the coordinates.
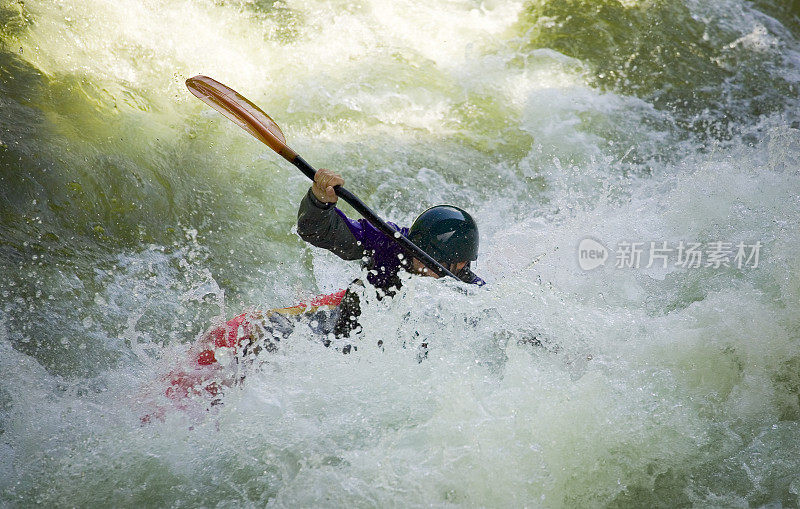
(204, 374)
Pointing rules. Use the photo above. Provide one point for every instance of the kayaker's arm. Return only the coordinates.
(323, 225)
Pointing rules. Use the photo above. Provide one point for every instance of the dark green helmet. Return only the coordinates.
(447, 233)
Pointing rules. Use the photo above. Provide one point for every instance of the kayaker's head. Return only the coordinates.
(450, 236)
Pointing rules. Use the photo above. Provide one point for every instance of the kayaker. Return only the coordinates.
(447, 233)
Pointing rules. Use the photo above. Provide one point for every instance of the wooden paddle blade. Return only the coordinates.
(241, 111)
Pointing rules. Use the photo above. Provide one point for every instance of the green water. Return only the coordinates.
(132, 217)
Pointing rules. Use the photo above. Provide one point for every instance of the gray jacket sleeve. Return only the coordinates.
(319, 224)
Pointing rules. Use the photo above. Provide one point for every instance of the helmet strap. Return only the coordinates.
(465, 274)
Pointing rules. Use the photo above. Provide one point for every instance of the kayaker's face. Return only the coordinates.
(418, 267)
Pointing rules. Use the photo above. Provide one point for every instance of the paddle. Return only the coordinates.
(249, 117)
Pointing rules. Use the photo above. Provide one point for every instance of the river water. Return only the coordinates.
(634, 167)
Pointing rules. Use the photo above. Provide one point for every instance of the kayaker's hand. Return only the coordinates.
(324, 182)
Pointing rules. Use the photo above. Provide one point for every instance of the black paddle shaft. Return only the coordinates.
(376, 221)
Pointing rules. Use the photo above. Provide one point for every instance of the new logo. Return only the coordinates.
(591, 254)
